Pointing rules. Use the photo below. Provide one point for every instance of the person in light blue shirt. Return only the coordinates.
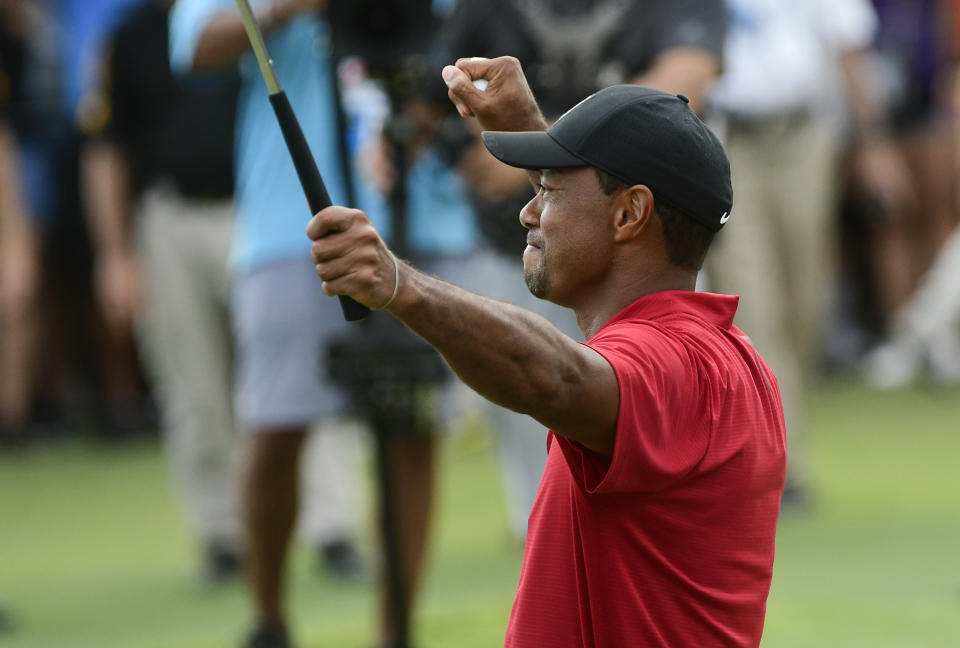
(270, 203)
(279, 308)
(263, 160)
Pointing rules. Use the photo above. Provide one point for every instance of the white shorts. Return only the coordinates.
(283, 323)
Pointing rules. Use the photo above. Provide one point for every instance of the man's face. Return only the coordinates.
(570, 235)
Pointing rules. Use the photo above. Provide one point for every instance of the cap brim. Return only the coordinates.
(529, 150)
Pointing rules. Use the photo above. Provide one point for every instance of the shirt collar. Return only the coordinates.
(718, 310)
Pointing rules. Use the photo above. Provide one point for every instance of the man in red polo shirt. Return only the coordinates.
(656, 516)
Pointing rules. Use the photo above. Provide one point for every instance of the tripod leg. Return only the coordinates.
(406, 495)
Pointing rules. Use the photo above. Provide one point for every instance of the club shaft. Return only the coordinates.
(258, 46)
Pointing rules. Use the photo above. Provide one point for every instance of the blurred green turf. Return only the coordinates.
(93, 553)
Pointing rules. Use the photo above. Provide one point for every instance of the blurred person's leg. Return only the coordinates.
(925, 328)
(185, 333)
(891, 264)
(808, 194)
(411, 463)
(905, 244)
(19, 283)
(929, 153)
(935, 305)
(93, 372)
(808, 198)
(122, 389)
(270, 494)
(333, 496)
(282, 322)
(48, 192)
(19, 286)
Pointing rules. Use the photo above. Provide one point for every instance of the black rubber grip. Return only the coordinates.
(310, 180)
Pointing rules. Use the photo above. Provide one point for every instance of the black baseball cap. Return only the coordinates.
(639, 136)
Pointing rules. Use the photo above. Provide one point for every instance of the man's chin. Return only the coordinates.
(535, 283)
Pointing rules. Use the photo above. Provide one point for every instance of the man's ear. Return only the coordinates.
(634, 212)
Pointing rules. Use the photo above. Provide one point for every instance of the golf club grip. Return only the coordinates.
(310, 180)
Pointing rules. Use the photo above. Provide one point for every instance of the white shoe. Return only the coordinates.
(891, 365)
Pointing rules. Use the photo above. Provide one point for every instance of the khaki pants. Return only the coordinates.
(185, 335)
(777, 252)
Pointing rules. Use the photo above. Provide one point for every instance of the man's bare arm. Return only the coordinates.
(224, 39)
(509, 355)
(514, 358)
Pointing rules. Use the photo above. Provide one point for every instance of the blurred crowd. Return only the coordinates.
(155, 275)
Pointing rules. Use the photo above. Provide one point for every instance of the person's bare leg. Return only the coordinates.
(20, 310)
(891, 263)
(123, 388)
(411, 462)
(269, 501)
(17, 367)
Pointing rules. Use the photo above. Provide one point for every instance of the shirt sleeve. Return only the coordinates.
(846, 25)
(663, 426)
(188, 20)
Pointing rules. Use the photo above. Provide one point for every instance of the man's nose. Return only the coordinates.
(530, 214)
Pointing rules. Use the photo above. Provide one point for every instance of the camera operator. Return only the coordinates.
(280, 310)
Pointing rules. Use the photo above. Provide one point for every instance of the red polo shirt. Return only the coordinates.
(670, 542)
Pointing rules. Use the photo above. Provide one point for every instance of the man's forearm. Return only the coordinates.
(222, 42)
(225, 39)
(512, 357)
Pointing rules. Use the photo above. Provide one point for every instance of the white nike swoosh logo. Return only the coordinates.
(725, 217)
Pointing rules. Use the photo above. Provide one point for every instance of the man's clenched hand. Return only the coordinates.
(351, 258)
(507, 104)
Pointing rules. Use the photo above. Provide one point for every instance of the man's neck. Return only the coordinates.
(610, 300)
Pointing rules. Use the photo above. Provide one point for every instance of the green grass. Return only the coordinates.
(93, 552)
(877, 560)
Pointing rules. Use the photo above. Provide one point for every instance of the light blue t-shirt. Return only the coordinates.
(271, 209)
